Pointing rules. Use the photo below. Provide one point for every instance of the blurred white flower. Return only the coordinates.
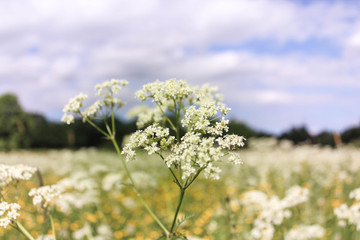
(112, 181)
(8, 213)
(13, 173)
(272, 211)
(355, 194)
(45, 195)
(45, 237)
(305, 232)
(107, 90)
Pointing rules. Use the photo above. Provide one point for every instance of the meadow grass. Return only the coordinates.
(218, 210)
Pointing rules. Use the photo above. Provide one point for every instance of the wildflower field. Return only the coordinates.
(280, 192)
(181, 175)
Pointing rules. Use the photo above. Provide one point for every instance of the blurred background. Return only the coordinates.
(286, 68)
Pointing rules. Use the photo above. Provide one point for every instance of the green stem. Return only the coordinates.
(177, 131)
(193, 179)
(168, 119)
(52, 226)
(113, 123)
(95, 126)
(176, 180)
(136, 190)
(23, 230)
(177, 119)
(172, 172)
(181, 197)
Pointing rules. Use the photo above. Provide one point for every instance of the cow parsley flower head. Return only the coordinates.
(45, 237)
(272, 211)
(9, 174)
(108, 87)
(161, 92)
(305, 232)
(44, 196)
(349, 214)
(8, 213)
(107, 92)
(355, 194)
(199, 114)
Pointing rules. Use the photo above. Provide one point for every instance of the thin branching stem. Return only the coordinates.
(167, 118)
(193, 179)
(23, 230)
(176, 179)
(95, 126)
(172, 172)
(181, 198)
(113, 123)
(157, 220)
(111, 135)
(52, 226)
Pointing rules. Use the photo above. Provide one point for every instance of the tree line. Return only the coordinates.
(20, 129)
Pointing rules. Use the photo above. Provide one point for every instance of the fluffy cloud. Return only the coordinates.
(50, 50)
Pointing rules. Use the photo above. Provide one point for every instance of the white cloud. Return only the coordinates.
(54, 49)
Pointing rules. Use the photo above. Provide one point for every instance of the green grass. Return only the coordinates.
(212, 209)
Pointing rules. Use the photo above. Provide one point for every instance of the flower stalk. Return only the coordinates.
(198, 113)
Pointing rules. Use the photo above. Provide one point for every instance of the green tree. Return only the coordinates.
(12, 123)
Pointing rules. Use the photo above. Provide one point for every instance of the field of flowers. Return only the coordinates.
(280, 192)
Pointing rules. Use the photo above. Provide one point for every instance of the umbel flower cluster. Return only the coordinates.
(8, 213)
(349, 215)
(272, 211)
(11, 175)
(106, 90)
(18, 172)
(186, 128)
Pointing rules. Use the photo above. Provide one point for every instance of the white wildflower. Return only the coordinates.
(81, 190)
(68, 119)
(93, 110)
(8, 213)
(153, 138)
(296, 195)
(104, 232)
(45, 195)
(14, 173)
(351, 215)
(231, 141)
(162, 91)
(262, 230)
(355, 194)
(107, 90)
(255, 196)
(82, 232)
(77, 200)
(146, 115)
(45, 237)
(112, 86)
(75, 104)
(112, 181)
(305, 232)
(196, 109)
(272, 211)
(212, 172)
(144, 180)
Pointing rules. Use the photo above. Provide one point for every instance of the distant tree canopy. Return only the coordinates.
(297, 135)
(351, 135)
(13, 123)
(19, 129)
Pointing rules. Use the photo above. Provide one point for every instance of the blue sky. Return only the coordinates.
(279, 63)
